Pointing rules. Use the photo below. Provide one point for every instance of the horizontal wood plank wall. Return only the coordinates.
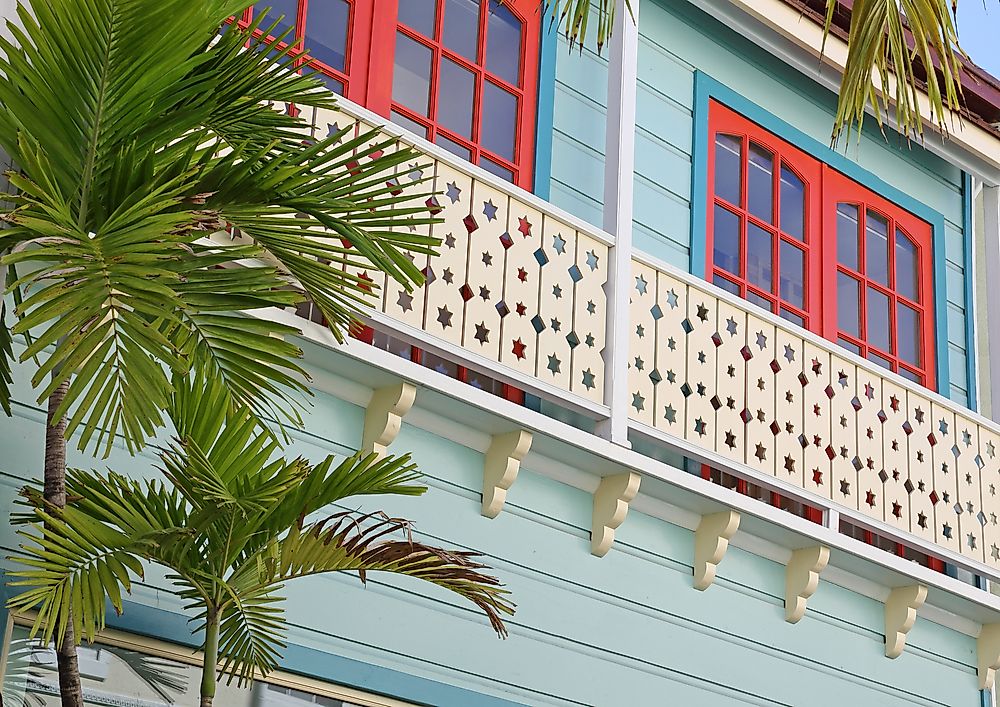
(626, 629)
(675, 41)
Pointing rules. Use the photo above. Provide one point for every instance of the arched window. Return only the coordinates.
(798, 238)
(460, 73)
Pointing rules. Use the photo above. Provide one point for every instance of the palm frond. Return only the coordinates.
(574, 18)
(250, 631)
(6, 359)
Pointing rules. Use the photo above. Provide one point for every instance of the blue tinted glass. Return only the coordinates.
(726, 241)
(411, 76)
(326, 32)
(288, 8)
(456, 88)
(418, 15)
(461, 27)
(759, 257)
(728, 158)
(499, 119)
(503, 43)
(760, 183)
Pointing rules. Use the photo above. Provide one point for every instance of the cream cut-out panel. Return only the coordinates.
(757, 391)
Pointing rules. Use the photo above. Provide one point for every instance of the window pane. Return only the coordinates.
(793, 276)
(883, 362)
(877, 248)
(499, 119)
(760, 183)
(759, 265)
(288, 8)
(493, 168)
(910, 375)
(792, 317)
(461, 27)
(503, 43)
(411, 76)
(727, 285)
(877, 324)
(456, 88)
(453, 147)
(849, 345)
(908, 331)
(418, 15)
(847, 235)
(728, 157)
(411, 125)
(326, 32)
(763, 302)
(726, 241)
(793, 204)
(848, 305)
(906, 266)
(333, 85)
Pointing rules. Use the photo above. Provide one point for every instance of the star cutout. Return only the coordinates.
(589, 340)
(943, 426)
(672, 344)
(730, 440)
(990, 450)
(972, 541)
(700, 427)
(789, 353)
(817, 477)
(922, 520)
(670, 414)
(453, 192)
(731, 326)
(487, 259)
(489, 210)
(869, 391)
(672, 299)
(995, 552)
(592, 260)
(448, 276)
(482, 333)
(966, 438)
(557, 291)
(524, 226)
(641, 284)
(518, 348)
(484, 293)
(554, 364)
(789, 464)
(702, 312)
(521, 309)
(671, 377)
(760, 452)
(870, 498)
(640, 331)
(701, 357)
(588, 379)
(845, 487)
(897, 510)
(522, 274)
(894, 403)
(444, 317)
(591, 307)
(761, 340)
(559, 244)
(555, 324)
(919, 415)
(449, 240)
(639, 363)
(405, 301)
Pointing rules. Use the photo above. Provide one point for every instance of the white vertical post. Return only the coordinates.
(619, 169)
(991, 236)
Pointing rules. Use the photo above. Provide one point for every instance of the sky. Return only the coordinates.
(979, 32)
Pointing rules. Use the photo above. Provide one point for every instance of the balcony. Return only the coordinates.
(522, 293)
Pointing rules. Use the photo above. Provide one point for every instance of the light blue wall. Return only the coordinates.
(673, 44)
(627, 629)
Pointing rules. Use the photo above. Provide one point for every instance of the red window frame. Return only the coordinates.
(825, 189)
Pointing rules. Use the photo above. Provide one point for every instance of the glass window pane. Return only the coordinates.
(453, 147)
(418, 15)
(503, 43)
(880, 360)
(499, 119)
(288, 8)
(848, 305)
(726, 241)
(411, 76)
(333, 85)
(728, 158)
(760, 183)
(411, 125)
(461, 27)
(791, 316)
(793, 204)
(456, 88)
(493, 168)
(847, 235)
(727, 285)
(793, 275)
(906, 266)
(326, 32)
(908, 333)
(849, 345)
(910, 375)
(763, 302)
(877, 247)
(877, 323)
(759, 257)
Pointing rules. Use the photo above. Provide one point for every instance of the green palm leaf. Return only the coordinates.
(6, 359)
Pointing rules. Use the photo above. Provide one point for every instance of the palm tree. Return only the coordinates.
(904, 37)
(133, 146)
(234, 523)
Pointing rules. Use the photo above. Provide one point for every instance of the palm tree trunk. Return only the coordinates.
(211, 659)
(55, 492)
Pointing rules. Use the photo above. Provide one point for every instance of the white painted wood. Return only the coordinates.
(991, 236)
(611, 501)
(384, 416)
(802, 579)
(619, 173)
(503, 461)
(711, 540)
(900, 614)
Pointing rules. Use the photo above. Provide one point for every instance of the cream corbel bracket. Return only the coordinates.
(384, 416)
(802, 579)
(988, 648)
(711, 540)
(900, 614)
(610, 508)
(503, 461)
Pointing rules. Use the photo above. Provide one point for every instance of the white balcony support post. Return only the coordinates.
(900, 614)
(991, 234)
(500, 467)
(384, 416)
(619, 169)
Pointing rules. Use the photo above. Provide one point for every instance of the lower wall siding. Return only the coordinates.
(627, 629)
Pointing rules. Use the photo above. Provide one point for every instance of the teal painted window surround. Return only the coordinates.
(545, 106)
(706, 89)
(970, 319)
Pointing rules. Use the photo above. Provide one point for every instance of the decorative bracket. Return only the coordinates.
(610, 508)
(711, 540)
(900, 614)
(988, 648)
(802, 578)
(503, 460)
(384, 416)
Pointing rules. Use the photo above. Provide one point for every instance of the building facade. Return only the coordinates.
(711, 397)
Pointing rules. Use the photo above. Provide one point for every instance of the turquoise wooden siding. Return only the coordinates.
(627, 629)
(674, 42)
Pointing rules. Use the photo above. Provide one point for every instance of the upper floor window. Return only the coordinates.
(803, 241)
(460, 73)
